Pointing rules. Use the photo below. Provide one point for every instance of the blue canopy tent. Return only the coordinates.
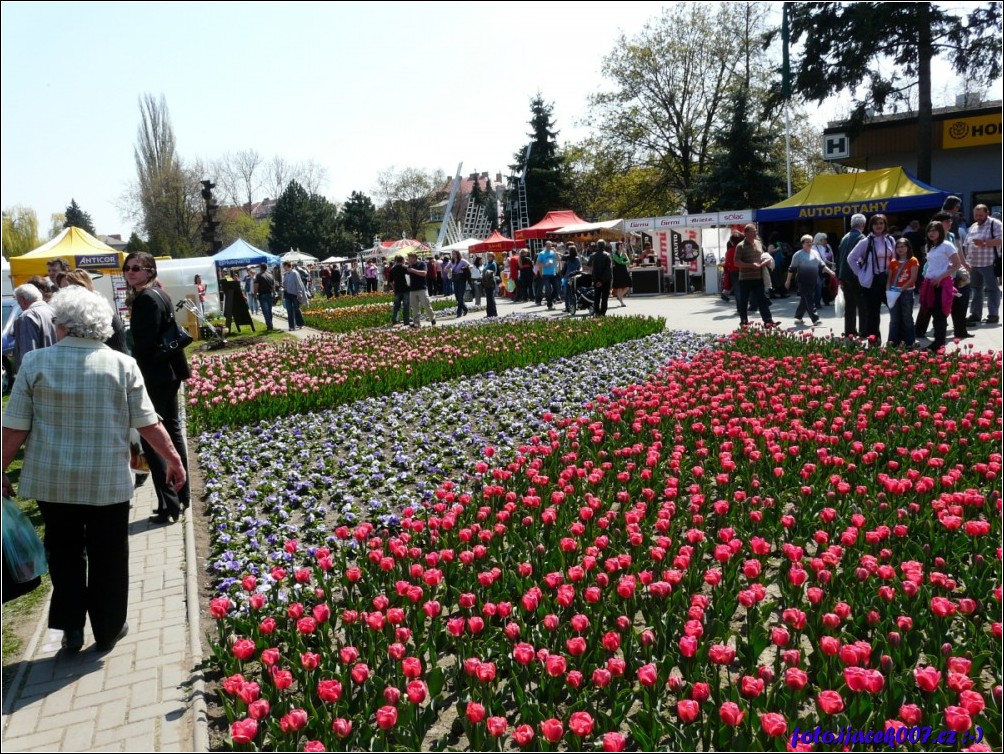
(241, 254)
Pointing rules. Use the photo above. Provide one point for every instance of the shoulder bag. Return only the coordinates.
(173, 339)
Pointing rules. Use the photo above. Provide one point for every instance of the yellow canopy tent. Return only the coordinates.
(889, 190)
(79, 248)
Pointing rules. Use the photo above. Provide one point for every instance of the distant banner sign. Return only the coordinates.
(843, 210)
(735, 217)
(645, 223)
(662, 223)
(971, 132)
(702, 221)
(98, 261)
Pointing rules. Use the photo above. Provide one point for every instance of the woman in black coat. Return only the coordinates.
(152, 312)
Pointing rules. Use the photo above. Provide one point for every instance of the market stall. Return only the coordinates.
(689, 248)
(550, 223)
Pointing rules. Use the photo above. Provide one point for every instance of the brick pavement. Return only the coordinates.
(144, 694)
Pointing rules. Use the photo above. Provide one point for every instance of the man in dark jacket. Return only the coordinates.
(602, 267)
(854, 313)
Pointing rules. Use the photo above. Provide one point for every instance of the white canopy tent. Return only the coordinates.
(464, 245)
(610, 229)
(298, 257)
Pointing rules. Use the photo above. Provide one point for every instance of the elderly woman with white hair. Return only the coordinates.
(72, 407)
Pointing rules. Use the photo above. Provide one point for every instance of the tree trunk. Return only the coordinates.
(925, 51)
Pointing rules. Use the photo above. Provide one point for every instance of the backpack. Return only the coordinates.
(488, 278)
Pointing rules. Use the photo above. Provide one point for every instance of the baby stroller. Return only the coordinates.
(583, 292)
(212, 335)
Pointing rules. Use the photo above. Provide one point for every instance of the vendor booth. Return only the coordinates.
(177, 276)
(298, 257)
(610, 230)
(495, 243)
(242, 254)
(80, 250)
(889, 191)
(461, 246)
(77, 247)
(550, 223)
(688, 250)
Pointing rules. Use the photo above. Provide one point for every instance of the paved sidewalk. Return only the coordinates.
(144, 694)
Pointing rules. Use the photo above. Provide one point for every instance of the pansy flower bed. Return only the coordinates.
(300, 376)
(771, 535)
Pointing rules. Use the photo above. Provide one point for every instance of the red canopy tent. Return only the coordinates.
(495, 242)
(552, 221)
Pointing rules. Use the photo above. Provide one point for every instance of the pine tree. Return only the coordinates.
(491, 206)
(476, 195)
(546, 182)
(77, 218)
(743, 172)
(307, 222)
(135, 243)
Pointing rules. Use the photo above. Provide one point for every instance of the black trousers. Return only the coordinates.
(88, 551)
(165, 403)
(602, 290)
(873, 299)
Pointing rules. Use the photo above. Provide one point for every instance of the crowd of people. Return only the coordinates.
(548, 277)
(945, 270)
(80, 390)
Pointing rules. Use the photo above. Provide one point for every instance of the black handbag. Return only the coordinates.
(173, 339)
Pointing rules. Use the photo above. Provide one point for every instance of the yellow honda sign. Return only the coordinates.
(971, 132)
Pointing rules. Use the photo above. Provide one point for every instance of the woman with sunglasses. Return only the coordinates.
(152, 312)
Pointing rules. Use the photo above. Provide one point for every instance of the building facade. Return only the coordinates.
(965, 156)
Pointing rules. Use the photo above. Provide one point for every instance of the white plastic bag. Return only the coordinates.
(839, 304)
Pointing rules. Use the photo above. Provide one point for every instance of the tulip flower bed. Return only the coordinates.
(299, 376)
(774, 534)
(300, 477)
(345, 319)
(345, 300)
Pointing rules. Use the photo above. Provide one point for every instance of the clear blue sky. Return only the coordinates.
(357, 87)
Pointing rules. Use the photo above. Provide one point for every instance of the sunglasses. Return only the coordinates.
(135, 268)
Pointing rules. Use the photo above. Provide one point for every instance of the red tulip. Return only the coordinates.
(475, 712)
(386, 717)
(294, 720)
(731, 714)
(830, 702)
(688, 710)
(244, 731)
(958, 719)
(614, 741)
(341, 727)
(648, 674)
(497, 726)
(720, 654)
(928, 678)
(552, 730)
(581, 724)
(774, 724)
(523, 735)
(329, 690)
